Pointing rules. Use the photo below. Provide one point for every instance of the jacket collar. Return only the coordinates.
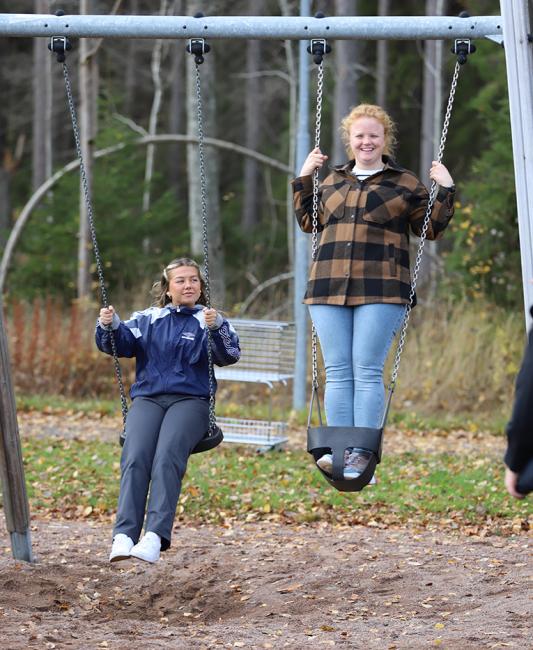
(388, 163)
(184, 310)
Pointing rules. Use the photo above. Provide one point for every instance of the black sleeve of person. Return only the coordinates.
(520, 428)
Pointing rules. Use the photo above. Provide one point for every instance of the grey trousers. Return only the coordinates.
(161, 432)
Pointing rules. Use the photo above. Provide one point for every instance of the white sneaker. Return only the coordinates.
(121, 549)
(148, 549)
(325, 463)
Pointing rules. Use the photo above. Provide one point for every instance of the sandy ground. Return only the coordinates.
(268, 586)
(264, 585)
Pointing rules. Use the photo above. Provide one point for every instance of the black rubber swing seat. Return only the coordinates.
(335, 440)
(208, 442)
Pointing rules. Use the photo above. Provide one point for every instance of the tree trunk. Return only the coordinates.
(345, 93)
(252, 131)
(211, 172)
(292, 80)
(157, 56)
(131, 71)
(42, 105)
(88, 90)
(175, 121)
(430, 135)
(382, 60)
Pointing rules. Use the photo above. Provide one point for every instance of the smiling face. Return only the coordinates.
(184, 286)
(367, 141)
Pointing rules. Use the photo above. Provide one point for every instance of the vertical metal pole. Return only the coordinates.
(15, 499)
(301, 240)
(519, 61)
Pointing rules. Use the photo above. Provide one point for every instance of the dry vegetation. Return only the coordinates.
(461, 358)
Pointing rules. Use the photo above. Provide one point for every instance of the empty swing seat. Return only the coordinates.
(335, 440)
(267, 357)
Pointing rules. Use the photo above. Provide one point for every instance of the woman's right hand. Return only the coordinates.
(106, 315)
(314, 160)
(511, 479)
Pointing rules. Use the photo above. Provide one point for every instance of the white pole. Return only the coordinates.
(516, 23)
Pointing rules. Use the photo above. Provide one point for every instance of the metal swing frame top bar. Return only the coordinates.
(251, 27)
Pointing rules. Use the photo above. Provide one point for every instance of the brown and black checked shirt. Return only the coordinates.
(363, 251)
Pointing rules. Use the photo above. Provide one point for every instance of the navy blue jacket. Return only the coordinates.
(170, 347)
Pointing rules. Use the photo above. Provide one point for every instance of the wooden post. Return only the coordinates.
(13, 483)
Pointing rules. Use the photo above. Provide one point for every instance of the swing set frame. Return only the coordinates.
(513, 26)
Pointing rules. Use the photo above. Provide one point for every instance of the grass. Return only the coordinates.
(72, 479)
(59, 404)
(490, 421)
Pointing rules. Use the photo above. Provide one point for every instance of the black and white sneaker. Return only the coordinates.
(355, 461)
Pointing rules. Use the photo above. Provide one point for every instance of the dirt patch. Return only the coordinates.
(267, 586)
(84, 426)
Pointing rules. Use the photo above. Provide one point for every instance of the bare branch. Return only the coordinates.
(261, 287)
(263, 73)
(129, 122)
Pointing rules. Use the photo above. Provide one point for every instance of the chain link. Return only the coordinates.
(423, 233)
(314, 238)
(92, 230)
(205, 244)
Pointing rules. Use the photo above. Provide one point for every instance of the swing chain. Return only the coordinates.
(423, 234)
(205, 241)
(314, 238)
(92, 230)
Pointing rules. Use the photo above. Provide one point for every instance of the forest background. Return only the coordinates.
(468, 332)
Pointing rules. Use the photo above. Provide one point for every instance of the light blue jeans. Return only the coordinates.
(355, 342)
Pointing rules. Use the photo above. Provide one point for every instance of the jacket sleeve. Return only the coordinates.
(302, 188)
(520, 428)
(125, 341)
(441, 213)
(225, 344)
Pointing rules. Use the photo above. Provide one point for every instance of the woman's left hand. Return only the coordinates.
(440, 174)
(210, 316)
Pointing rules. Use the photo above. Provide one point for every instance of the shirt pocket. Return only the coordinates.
(383, 205)
(334, 201)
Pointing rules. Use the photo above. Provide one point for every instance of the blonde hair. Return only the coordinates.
(160, 288)
(379, 114)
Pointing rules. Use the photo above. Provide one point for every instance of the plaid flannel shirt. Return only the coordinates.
(363, 250)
